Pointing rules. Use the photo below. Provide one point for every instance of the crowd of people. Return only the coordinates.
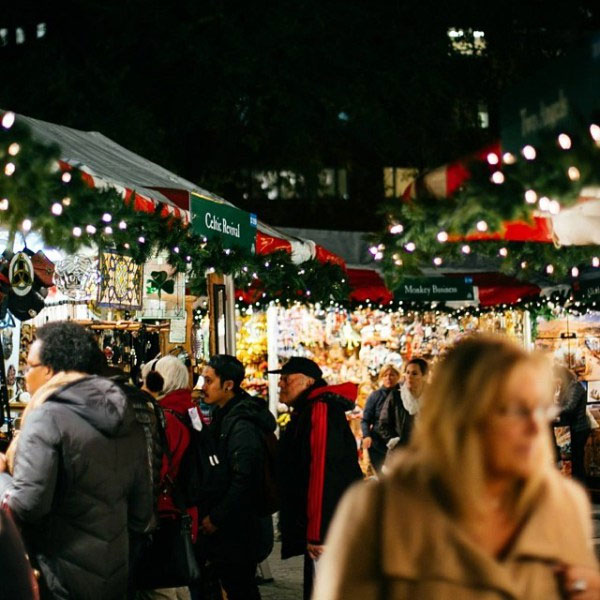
(466, 501)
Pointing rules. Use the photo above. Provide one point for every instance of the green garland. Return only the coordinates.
(69, 214)
(482, 201)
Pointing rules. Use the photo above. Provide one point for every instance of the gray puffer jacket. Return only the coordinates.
(80, 481)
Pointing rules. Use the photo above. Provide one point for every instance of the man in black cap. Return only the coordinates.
(318, 459)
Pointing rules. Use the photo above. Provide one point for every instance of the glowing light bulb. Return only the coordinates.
(57, 209)
(573, 173)
(437, 261)
(498, 177)
(492, 158)
(442, 237)
(122, 225)
(141, 239)
(26, 225)
(373, 250)
(410, 247)
(529, 152)
(503, 252)
(90, 229)
(8, 120)
(574, 272)
(9, 169)
(595, 132)
(396, 229)
(4, 204)
(544, 203)
(509, 159)
(482, 226)
(466, 249)
(108, 230)
(564, 141)
(554, 207)
(66, 201)
(107, 217)
(77, 231)
(176, 249)
(530, 197)
(549, 269)
(66, 177)
(524, 264)
(14, 149)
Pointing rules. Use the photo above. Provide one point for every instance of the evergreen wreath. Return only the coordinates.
(36, 195)
(504, 188)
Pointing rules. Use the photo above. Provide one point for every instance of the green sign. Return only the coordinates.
(554, 99)
(234, 227)
(435, 288)
(587, 288)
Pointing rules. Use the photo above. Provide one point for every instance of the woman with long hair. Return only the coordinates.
(473, 507)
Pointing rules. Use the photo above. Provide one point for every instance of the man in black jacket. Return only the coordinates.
(232, 522)
(80, 478)
(318, 459)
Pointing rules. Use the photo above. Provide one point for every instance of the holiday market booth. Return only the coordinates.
(96, 233)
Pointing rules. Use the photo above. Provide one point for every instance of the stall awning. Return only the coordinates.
(106, 164)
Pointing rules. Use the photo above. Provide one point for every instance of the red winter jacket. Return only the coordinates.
(178, 439)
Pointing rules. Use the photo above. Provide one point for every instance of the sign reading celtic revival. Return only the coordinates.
(21, 274)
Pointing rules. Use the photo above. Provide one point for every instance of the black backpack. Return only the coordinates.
(269, 500)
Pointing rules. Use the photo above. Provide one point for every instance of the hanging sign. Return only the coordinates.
(554, 99)
(235, 228)
(435, 289)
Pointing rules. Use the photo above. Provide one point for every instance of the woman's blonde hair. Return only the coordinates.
(447, 444)
(389, 367)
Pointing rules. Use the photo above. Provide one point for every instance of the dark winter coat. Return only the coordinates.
(371, 416)
(318, 461)
(238, 429)
(573, 403)
(395, 420)
(80, 480)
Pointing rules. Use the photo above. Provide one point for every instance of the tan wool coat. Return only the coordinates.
(391, 540)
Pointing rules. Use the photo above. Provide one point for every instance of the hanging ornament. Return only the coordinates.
(75, 277)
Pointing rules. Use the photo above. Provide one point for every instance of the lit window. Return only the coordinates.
(20, 35)
(3, 37)
(396, 180)
(40, 31)
(467, 41)
(483, 116)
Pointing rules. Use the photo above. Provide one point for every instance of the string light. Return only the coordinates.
(492, 158)
(8, 120)
(396, 229)
(544, 204)
(466, 249)
(530, 197)
(595, 262)
(4, 204)
(574, 272)
(498, 177)
(66, 177)
(482, 226)
(550, 269)
(564, 141)
(573, 173)
(509, 159)
(9, 169)
(442, 237)
(77, 231)
(176, 249)
(410, 247)
(437, 261)
(14, 149)
(90, 229)
(554, 207)
(529, 152)
(66, 201)
(108, 230)
(524, 264)
(107, 217)
(141, 239)
(122, 225)
(57, 209)
(595, 132)
(503, 252)
(26, 225)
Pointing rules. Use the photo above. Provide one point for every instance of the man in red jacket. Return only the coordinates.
(318, 459)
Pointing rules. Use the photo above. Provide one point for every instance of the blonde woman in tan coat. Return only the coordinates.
(473, 509)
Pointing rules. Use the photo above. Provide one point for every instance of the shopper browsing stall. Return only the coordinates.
(389, 376)
(400, 408)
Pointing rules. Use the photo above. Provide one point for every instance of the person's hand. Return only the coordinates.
(366, 443)
(315, 550)
(579, 583)
(3, 463)
(207, 527)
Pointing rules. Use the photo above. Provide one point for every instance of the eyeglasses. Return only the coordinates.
(29, 366)
(546, 413)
